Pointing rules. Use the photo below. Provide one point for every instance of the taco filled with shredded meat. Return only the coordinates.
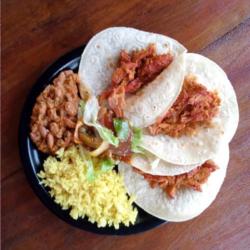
(162, 117)
(186, 166)
(165, 115)
(121, 66)
(181, 197)
(203, 117)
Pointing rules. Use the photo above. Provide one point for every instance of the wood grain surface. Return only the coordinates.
(36, 33)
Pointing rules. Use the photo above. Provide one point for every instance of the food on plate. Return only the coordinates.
(195, 107)
(144, 108)
(170, 184)
(141, 102)
(151, 164)
(88, 187)
(195, 148)
(103, 51)
(130, 60)
(134, 71)
(188, 111)
(119, 142)
(187, 203)
(54, 115)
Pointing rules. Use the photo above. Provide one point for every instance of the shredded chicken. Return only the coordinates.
(117, 100)
(193, 179)
(139, 68)
(195, 107)
(105, 116)
(133, 72)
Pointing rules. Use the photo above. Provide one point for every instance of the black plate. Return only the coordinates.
(32, 159)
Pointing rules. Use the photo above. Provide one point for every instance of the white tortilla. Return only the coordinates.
(101, 54)
(156, 166)
(152, 101)
(188, 150)
(214, 78)
(186, 204)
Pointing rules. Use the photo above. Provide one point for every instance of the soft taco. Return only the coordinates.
(145, 78)
(182, 112)
(150, 164)
(141, 102)
(204, 116)
(129, 68)
(180, 197)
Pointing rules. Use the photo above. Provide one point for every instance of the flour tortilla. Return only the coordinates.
(100, 57)
(101, 54)
(153, 165)
(188, 150)
(186, 204)
(151, 102)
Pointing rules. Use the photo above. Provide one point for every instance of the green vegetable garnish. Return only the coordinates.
(90, 118)
(107, 135)
(107, 164)
(90, 170)
(89, 162)
(121, 128)
(136, 141)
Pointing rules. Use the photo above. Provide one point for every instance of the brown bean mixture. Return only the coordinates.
(54, 115)
(195, 107)
(193, 179)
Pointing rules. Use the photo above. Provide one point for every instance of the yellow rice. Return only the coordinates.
(103, 200)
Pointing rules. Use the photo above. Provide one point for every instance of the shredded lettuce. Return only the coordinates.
(94, 165)
(103, 147)
(90, 118)
(90, 170)
(136, 141)
(121, 128)
(107, 135)
(107, 164)
(89, 162)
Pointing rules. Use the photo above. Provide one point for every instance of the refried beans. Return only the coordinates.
(54, 115)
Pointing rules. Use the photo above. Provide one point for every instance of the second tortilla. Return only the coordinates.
(189, 150)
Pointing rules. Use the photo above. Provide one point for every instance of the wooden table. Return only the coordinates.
(35, 33)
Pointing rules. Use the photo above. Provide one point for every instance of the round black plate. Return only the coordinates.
(33, 159)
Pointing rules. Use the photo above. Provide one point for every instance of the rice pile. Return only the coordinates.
(103, 200)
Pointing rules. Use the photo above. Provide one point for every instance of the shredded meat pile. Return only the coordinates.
(170, 184)
(195, 107)
(54, 115)
(134, 71)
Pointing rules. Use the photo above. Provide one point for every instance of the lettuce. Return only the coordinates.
(90, 170)
(136, 141)
(107, 135)
(121, 128)
(107, 164)
(90, 118)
